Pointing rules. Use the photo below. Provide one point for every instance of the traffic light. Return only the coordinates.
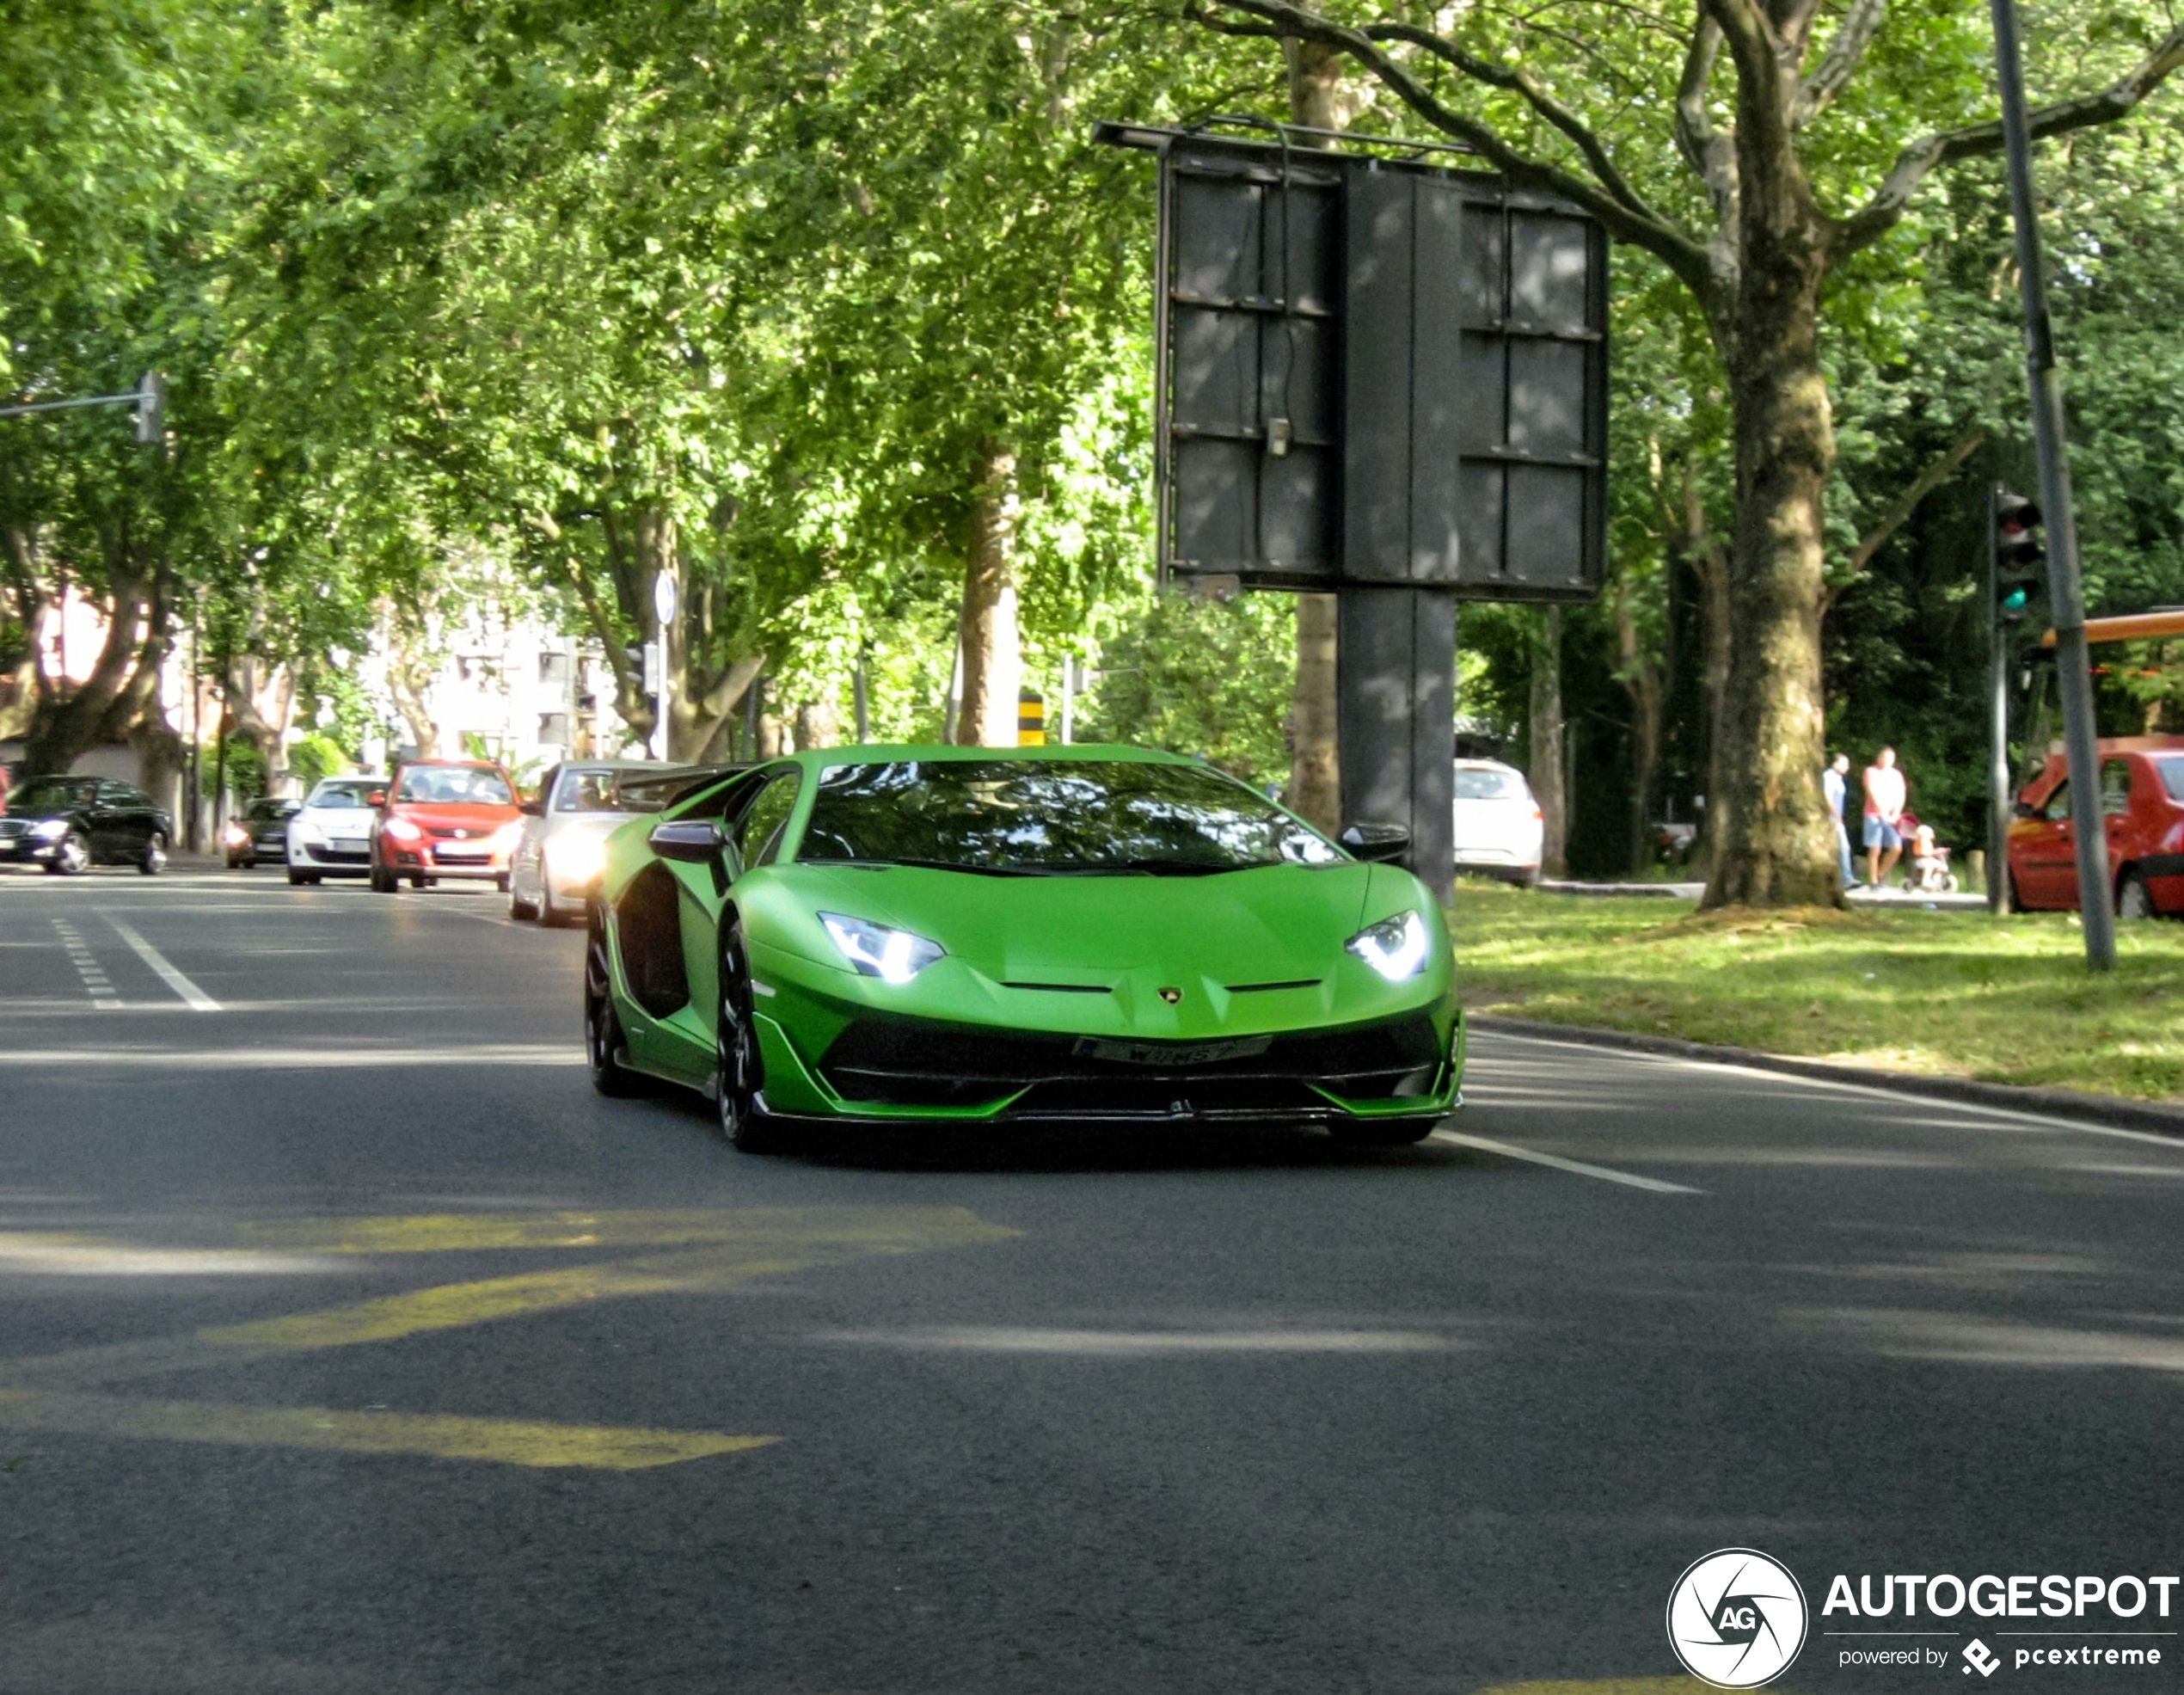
(2019, 555)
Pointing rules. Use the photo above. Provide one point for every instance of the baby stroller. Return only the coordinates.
(1926, 861)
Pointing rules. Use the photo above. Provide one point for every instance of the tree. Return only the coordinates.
(1775, 205)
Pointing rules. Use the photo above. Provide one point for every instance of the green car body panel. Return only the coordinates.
(1209, 959)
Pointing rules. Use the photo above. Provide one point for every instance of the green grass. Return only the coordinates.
(1961, 994)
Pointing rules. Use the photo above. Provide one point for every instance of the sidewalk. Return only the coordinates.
(1857, 897)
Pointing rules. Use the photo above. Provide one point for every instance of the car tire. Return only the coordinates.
(72, 858)
(153, 860)
(2011, 900)
(1385, 1133)
(502, 882)
(296, 879)
(551, 913)
(2133, 898)
(419, 880)
(383, 881)
(520, 909)
(737, 1067)
(602, 1038)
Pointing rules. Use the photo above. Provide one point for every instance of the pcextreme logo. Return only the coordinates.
(1736, 1619)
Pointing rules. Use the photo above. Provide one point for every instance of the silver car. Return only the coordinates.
(330, 836)
(563, 844)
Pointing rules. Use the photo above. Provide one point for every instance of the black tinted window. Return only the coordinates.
(53, 792)
(760, 835)
(1053, 816)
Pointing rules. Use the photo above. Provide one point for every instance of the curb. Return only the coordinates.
(2047, 1103)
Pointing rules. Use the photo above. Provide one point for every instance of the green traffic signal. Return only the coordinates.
(2018, 556)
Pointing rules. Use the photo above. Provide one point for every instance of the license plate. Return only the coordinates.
(1172, 1053)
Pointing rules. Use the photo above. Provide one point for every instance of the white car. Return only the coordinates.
(564, 842)
(1497, 824)
(331, 835)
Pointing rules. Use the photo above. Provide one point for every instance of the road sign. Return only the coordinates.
(1375, 369)
(663, 598)
(1031, 718)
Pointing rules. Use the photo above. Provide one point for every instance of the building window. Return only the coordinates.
(554, 668)
(553, 729)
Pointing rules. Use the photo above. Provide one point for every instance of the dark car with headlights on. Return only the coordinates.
(69, 824)
(259, 831)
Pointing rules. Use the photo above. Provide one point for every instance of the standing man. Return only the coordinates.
(1885, 798)
(1836, 785)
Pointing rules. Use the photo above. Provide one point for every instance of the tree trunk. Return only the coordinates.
(1641, 680)
(993, 665)
(1549, 767)
(818, 725)
(1320, 98)
(1772, 843)
(63, 729)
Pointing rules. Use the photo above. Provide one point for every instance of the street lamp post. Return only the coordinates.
(2066, 586)
(663, 604)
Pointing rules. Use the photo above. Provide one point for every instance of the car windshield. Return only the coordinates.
(643, 790)
(454, 785)
(1031, 818)
(1487, 785)
(340, 797)
(52, 793)
(2172, 772)
(268, 812)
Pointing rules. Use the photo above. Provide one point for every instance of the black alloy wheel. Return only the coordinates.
(72, 858)
(603, 1038)
(153, 860)
(736, 1062)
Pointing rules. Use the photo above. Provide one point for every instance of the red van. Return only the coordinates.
(2142, 793)
(445, 818)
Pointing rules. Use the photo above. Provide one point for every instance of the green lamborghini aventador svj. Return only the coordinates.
(903, 935)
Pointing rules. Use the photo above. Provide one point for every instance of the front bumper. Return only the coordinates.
(428, 861)
(26, 850)
(347, 857)
(867, 1065)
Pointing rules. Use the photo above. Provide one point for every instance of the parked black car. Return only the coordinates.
(69, 824)
(259, 831)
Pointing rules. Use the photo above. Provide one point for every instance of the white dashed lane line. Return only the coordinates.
(96, 984)
(193, 996)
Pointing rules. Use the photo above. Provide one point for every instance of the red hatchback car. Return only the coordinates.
(2141, 792)
(445, 818)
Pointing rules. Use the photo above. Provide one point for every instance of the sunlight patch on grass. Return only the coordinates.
(1959, 994)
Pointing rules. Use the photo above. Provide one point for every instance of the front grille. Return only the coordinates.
(909, 1062)
(12, 827)
(339, 853)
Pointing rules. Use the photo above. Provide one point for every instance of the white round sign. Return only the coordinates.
(1737, 1618)
(663, 596)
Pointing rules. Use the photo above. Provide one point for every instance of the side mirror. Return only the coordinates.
(378, 797)
(695, 841)
(532, 808)
(1376, 844)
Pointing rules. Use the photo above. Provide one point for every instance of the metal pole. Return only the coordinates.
(2066, 587)
(1997, 721)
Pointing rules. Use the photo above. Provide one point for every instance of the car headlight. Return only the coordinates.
(403, 831)
(302, 830)
(49, 829)
(1396, 948)
(891, 955)
(578, 858)
(506, 838)
(235, 836)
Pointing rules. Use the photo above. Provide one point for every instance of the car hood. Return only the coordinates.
(1272, 923)
(452, 815)
(336, 820)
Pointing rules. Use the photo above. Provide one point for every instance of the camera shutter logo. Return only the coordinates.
(1736, 1619)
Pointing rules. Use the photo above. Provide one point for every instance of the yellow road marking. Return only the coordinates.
(506, 1441)
(1613, 1685)
(881, 1229)
(721, 1252)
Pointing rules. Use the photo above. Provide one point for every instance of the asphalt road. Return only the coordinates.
(349, 1343)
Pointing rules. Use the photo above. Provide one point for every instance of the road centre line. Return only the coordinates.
(195, 997)
(1900, 1097)
(1510, 1150)
(437, 1435)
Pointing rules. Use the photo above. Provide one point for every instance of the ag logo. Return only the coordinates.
(1736, 1619)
